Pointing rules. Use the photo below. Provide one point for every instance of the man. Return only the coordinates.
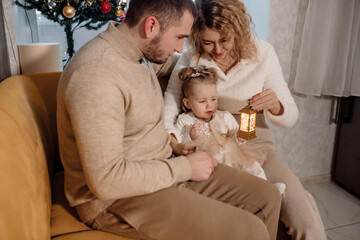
(119, 170)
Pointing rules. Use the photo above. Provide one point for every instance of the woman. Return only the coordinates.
(249, 73)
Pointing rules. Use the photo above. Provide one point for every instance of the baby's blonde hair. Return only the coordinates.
(191, 76)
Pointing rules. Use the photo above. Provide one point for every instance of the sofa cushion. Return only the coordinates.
(90, 235)
(65, 223)
(64, 219)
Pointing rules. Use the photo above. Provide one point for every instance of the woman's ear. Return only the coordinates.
(186, 103)
(152, 27)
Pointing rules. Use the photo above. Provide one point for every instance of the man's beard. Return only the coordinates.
(152, 52)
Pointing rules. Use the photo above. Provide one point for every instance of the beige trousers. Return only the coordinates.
(231, 204)
(299, 211)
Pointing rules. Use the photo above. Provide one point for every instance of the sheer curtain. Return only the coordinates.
(4, 58)
(329, 55)
(7, 23)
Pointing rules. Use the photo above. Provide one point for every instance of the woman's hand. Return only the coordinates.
(267, 100)
(195, 131)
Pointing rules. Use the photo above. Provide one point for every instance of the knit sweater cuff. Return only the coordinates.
(89, 210)
(175, 133)
(279, 120)
(182, 168)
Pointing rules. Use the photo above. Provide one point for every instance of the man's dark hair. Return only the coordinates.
(165, 11)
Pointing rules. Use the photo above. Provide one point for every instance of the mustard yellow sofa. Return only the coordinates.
(32, 201)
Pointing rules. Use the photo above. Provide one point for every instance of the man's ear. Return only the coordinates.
(152, 27)
(186, 103)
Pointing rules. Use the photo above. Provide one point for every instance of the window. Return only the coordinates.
(259, 12)
(43, 30)
(50, 31)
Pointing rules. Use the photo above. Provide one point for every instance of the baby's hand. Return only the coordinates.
(195, 131)
(184, 149)
(180, 148)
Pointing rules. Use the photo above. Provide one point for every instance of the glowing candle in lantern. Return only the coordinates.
(247, 123)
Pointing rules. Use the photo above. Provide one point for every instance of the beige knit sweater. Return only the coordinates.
(113, 142)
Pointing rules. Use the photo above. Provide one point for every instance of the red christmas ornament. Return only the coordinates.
(123, 14)
(105, 6)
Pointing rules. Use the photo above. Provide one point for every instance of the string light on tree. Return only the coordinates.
(89, 2)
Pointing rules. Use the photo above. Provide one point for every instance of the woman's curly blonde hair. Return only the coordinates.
(229, 17)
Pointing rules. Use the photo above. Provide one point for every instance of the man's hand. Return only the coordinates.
(195, 131)
(202, 165)
(267, 100)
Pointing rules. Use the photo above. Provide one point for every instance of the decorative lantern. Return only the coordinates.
(247, 123)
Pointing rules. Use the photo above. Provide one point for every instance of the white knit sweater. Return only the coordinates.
(225, 124)
(243, 81)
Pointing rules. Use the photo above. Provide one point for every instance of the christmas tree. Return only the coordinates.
(75, 14)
